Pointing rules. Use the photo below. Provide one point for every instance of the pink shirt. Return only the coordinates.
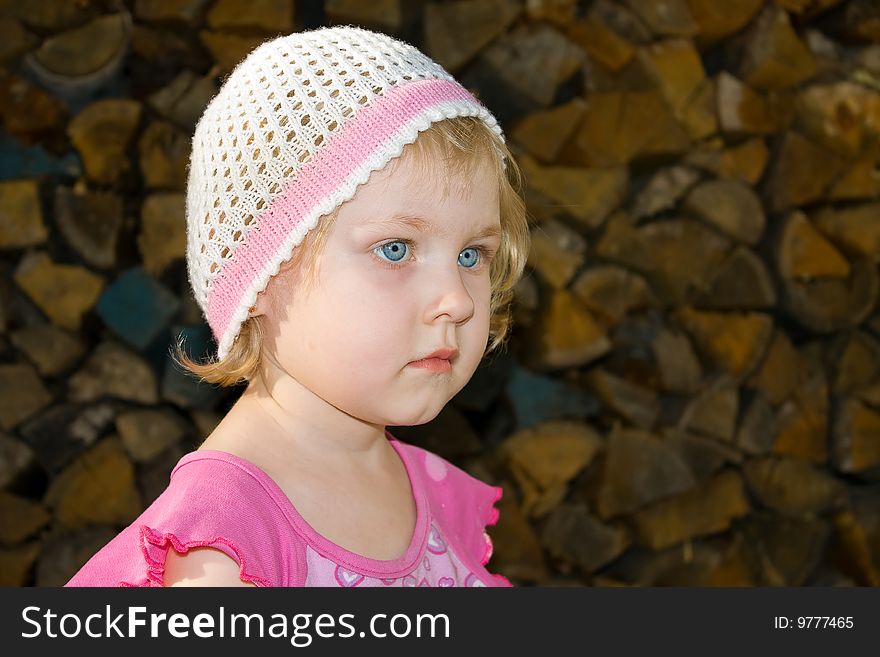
(219, 500)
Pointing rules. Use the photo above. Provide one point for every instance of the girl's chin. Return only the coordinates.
(422, 416)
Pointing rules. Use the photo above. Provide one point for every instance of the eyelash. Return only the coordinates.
(485, 252)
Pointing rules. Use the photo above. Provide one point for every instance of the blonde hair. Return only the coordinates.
(462, 144)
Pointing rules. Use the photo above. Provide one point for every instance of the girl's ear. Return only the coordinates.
(259, 307)
(286, 278)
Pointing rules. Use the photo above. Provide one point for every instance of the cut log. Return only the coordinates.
(729, 205)
(708, 509)
(713, 412)
(787, 548)
(228, 49)
(64, 292)
(793, 487)
(269, 15)
(455, 33)
(611, 292)
(184, 11)
(829, 304)
(775, 57)
(803, 422)
(742, 110)
(684, 255)
(90, 222)
(635, 404)
(741, 283)
(536, 60)
(856, 228)
(802, 173)
(734, 342)
(841, 117)
(745, 162)
(679, 366)
(544, 133)
(620, 127)
(93, 50)
(663, 191)
(101, 132)
(97, 488)
(556, 252)
(804, 255)
(662, 473)
(602, 44)
(669, 18)
(21, 215)
(567, 334)
(675, 67)
(781, 371)
(576, 536)
(560, 12)
(716, 21)
(856, 438)
(588, 195)
(547, 457)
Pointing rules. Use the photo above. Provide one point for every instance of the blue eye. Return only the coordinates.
(394, 251)
(471, 260)
(393, 254)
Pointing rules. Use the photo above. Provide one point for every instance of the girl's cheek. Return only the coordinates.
(482, 288)
(386, 278)
(370, 294)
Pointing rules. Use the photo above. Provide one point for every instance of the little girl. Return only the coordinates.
(355, 228)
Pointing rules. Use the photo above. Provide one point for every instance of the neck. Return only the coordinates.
(293, 420)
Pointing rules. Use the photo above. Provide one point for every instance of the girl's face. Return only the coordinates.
(388, 293)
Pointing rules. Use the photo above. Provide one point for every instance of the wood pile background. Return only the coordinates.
(691, 395)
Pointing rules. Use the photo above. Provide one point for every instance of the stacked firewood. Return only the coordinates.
(691, 392)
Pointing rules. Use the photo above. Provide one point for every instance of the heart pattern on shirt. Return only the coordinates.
(347, 578)
(436, 544)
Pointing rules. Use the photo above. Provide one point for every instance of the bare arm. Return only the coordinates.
(202, 567)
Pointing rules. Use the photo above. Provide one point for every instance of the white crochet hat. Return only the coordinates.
(295, 128)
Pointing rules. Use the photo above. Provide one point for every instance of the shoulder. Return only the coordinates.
(213, 486)
(222, 474)
(218, 523)
(235, 523)
(209, 493)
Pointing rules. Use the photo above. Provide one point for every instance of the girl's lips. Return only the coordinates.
(433, 364)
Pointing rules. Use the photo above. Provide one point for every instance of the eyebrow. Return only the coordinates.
(425, 226)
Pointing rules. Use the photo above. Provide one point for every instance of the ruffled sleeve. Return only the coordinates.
(155, 545)
(216, 501)
(464, 505)
(489, 517)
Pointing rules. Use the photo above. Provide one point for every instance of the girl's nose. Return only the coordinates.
(450, 296)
